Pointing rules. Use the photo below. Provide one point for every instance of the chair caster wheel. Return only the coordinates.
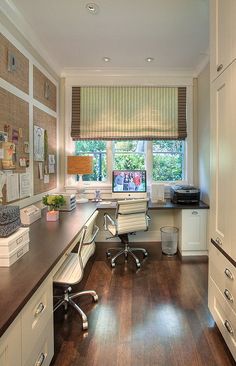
(95, 298)
(113, 264)
(85, 325)
(145, 254)
(138, 265)
(108, 254)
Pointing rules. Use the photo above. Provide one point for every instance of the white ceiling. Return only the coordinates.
(173, 32)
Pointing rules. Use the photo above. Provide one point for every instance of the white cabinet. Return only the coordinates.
(10, 345)
(29, 339)
(221, 160)
(192, 224)
(223, 35)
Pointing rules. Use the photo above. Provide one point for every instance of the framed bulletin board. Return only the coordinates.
(45, 178)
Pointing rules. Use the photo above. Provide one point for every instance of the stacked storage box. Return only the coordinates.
(14, 247)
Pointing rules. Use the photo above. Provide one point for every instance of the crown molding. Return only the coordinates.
(201, 66)
(11, 12)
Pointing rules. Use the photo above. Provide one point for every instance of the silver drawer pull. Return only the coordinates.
(41, 359)
(218, 241)
(19, 240)
(228, 327)
(39, 309)
(219, 68)
(229, 274)
(228, 295)
(194, 212)
(20, 253)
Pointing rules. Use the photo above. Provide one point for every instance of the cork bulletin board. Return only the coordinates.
(49, 124)
(14, 121)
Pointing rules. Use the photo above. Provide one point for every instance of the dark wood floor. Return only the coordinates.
(157, 315)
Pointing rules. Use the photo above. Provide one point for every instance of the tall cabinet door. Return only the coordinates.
(223, 50)
(221, 161)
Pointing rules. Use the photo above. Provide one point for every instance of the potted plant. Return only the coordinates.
(54, 202)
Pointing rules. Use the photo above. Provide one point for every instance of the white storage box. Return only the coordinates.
(30, 214)
(16, 240)
(6, 260)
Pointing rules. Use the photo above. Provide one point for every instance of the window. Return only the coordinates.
(98, 150)
(168, 160)
(167, 157)
(129, 154)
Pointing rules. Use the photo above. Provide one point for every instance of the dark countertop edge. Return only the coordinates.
(223, 252)
(26, 298)
(168, 205)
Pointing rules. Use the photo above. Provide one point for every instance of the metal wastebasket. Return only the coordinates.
(169, 240)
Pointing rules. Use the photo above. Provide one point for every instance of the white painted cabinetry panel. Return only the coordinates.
(10, 345)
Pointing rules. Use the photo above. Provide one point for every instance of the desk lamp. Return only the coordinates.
(80, 165)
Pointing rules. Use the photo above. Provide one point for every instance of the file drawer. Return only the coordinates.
(223, 315)
(44, 90)
(224, 275)
(35, 317)
(42, 353)
(19, 76)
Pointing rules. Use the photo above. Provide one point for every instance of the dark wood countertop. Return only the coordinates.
(156, 205)
(48, 242)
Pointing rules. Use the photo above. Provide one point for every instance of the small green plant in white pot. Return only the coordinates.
(54, 202)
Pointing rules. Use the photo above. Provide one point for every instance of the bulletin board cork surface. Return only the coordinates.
(39, 89)
(14, 119)
(19, 77)
(48, 123)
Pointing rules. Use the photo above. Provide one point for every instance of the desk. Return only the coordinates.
(49, 241)
(191, 219)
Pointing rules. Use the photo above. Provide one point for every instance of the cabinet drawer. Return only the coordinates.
(10, 345)
(44, 90)
(17, 75)
(223, 315)
(224, 275)
(42, 353)
(35, 317)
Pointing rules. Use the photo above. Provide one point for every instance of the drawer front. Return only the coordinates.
(22, 239)
(35, 317)
(224, 275)
(194, 229)
(10, 345)
(14, 66)
(44, 90)
(42, 353)
(223, 315)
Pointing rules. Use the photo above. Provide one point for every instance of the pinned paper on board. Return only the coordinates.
(51, 168)
(46, 179)
(40, 171)
(12, 183)
(51, 159)
(38, 143)
(25, 185)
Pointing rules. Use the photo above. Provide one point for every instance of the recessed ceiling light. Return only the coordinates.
(149, 59)
(106, 59)
(92, 8)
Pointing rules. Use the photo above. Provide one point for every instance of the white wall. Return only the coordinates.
(203, 132)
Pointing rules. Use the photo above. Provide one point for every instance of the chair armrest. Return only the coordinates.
(107, 217)
(94, 235)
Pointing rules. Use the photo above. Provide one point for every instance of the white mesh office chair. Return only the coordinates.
(71, 271)
(131, 216)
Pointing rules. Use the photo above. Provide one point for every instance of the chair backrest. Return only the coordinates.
(131, 216)
(87, 244)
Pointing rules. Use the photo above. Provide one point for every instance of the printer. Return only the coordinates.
(184, 194)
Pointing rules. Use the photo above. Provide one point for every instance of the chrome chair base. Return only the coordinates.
(126, 251)
(67, 298)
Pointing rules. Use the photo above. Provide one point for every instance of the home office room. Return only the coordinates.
(116, 182)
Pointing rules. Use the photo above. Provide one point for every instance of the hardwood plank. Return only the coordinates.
(157, 315)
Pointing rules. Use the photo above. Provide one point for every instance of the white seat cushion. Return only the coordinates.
(71, 271)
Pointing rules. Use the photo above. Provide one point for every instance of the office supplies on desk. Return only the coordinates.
(30, 214)
(70, 202)
(9, 220)
(14, 247)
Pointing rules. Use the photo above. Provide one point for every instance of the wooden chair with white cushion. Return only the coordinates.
(71, 271)
(131, 216)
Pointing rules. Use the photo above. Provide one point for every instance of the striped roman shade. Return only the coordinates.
(140, 113)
